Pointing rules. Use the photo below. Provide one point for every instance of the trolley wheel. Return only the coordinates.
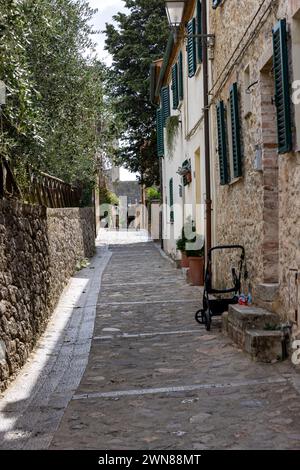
(207, 320)
(200, 317)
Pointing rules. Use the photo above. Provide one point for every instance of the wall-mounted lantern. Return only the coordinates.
(174, 9)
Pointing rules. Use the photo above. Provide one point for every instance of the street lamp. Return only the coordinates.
(174, 10)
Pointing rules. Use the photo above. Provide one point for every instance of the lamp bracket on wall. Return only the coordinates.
(250, 87)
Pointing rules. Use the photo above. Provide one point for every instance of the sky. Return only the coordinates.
(106, 10)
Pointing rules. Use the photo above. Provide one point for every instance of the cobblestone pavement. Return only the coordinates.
(157, 380)
(33, 405)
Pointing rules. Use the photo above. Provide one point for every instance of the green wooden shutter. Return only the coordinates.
(171, 195)
(175, 86)
(165, 103)
(180, 76)
(282, 91)
(160, 133)
(216, 3)
(236, 131)
(222, 144)
(199, 30)
(191, 47)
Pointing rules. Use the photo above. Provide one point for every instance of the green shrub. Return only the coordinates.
(152, 193)
(108, 197)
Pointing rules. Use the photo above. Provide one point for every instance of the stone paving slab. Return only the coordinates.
(157, 380)
(144, 318)
(247, 418)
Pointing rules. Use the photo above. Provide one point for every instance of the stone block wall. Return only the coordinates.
(24, 282)
(39, 249)
(71, 237)
(261, 210)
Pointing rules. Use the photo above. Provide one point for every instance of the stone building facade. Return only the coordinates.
(39, 251)
(254, 82)
(258, 203)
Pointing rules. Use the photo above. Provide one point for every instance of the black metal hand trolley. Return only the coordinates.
(213, 306)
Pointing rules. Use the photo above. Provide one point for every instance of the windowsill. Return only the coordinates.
(235, 180)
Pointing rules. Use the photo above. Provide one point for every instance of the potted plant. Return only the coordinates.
(196, 266)
(195, 254)
(186, 172)
(183, 240)
(180, 244)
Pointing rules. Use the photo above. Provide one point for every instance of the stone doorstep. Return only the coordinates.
(266, 296)
(250, 317)
(270, 306)
(264, 346)
(267, 292)
(245, 326)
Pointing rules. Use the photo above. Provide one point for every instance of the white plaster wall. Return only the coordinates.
(189, 140)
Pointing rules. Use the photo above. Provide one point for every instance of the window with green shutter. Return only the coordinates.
(165, 104)
(282, 87)
(175, 90)
(160, 133)
(235, 131)
(216, 3)
(199, 31)
(222, 143)
(180, 76)
(191, 47)
(171, 201)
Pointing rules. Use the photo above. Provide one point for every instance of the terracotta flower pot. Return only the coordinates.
(196, 271)
(184, 260)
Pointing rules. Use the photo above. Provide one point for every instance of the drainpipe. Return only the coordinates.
(161, 239)
(208, 201)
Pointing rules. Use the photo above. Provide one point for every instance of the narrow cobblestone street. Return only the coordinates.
(153, 378)
(157, 380)
(149, 229)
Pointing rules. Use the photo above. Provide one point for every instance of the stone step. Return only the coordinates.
(267, 292)
(265, 346)
(267, 296)
(241, 318)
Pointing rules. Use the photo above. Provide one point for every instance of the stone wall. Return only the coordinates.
(39, 249)
(261, 210)
(71, 236)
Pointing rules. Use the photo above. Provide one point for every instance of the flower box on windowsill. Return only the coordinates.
(185, 171)
(187, 178)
